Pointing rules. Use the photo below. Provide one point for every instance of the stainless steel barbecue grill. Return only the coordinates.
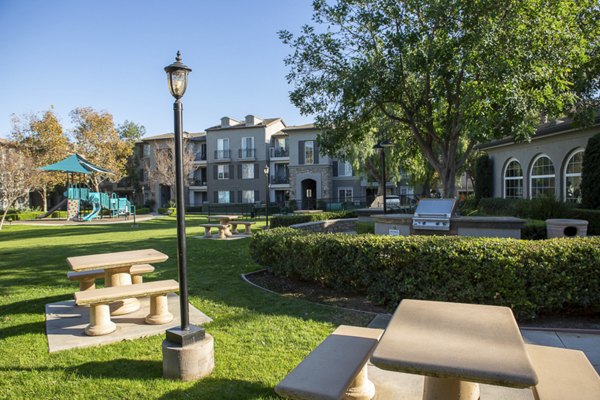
(433, 214)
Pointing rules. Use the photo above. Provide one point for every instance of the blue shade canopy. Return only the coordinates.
(76, 164)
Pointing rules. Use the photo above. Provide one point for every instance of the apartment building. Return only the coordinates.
(229, 161)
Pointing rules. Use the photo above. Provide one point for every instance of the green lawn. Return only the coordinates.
(259, 336)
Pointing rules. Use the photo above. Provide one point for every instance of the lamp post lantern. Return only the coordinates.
(177, 74)
(266, 171)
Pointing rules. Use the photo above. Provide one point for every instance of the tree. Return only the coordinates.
(97, 140)
(44, 142)
(130, 131)
(590, 174)
(161, 170)
(450, 73)
(16, 177)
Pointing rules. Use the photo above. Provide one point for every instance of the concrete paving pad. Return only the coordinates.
(542, 338)
(65, 323)
(216, 237)
(589, 344)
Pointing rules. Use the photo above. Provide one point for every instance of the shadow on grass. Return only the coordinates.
(23, 329)
(121, 368)
(220, 388)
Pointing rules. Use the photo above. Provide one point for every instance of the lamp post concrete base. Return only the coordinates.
(188, 363)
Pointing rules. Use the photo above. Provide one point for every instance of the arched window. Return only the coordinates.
(513, 180)
(572, 186)
(542, 179)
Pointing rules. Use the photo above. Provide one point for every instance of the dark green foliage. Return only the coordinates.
(534, 230)
(591, 216)
(142, 210)
(484, 177)
(365, 227)
(167, 211)
(531, 277)
(590, 174)
(287, 220)
(540, 208)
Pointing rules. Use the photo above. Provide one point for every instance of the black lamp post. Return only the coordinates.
(381, 146)
(187, 334)
(266, 171)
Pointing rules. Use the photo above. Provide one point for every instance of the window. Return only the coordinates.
(247, 147)
(222, 149)
(542, 177)
(247, 171)
(344, 195)
(224, 196)
(572, 187)
(247, 196)
(223, 172)
(513, 180)
(146, 150)
(344, 168)
(309, 152)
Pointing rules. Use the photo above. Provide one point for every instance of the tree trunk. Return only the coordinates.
(3, 217)
(43, 193)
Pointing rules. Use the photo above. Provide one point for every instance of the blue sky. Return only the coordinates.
(110, 55)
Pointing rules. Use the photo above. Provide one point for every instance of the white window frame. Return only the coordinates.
(223, 197)
(512, 178)
(247, 171)
(309, 144)
(222, 171)
(245, 147)
(344, 169)
(223, 144)
(346, 198)
(567, 175)
(146, 150)
(546, 176)
(248, 196)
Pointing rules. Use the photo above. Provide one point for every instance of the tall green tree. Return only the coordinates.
(97, 139)
(450, 73)
(43, 141)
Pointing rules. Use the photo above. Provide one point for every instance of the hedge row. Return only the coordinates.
(531, 277)
(287, 220)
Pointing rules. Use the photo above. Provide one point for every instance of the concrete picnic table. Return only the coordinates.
(225, 220)
(116, 268)
(455, 346)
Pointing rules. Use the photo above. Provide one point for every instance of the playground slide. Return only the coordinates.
(95, 211)
(56, 207)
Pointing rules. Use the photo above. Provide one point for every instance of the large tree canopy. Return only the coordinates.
(450, 73)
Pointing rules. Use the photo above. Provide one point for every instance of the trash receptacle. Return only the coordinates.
(556, 228)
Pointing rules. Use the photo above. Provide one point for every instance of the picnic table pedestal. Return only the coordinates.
(456, 346)
(121, 277)
(225, 220)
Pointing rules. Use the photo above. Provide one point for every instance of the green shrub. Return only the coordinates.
(540, 208)
(167, 211)
(142, 210)
(23, 215)
(287, 220)
(534, 230)
(365, 227)
(592, 216)
(590, 174)
(531, 277)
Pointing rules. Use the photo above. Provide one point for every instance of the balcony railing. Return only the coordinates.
(197, 182)
(247, 153)
(280, 180)
(222, 154)
(200, 157)
(280, 152)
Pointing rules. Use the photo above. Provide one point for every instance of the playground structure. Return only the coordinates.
(76, 196)
(117, 206)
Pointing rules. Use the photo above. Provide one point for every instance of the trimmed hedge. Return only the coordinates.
(531, 277)
(592, 216)
(287, 220)
(142, 210)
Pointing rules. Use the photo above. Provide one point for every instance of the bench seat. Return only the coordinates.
(563, 374)
(247, 227)
(87, 279)
(222, 229)
(99, 300)
(336, 368)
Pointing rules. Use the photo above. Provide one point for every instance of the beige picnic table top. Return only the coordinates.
(469, 342)
(224, 216)
(116, 260)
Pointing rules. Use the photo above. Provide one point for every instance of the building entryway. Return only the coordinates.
(309, 194)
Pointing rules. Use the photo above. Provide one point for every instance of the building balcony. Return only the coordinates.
(223, 155)
(247, 154)
(279, 152)
(200, 157)
(197, 184)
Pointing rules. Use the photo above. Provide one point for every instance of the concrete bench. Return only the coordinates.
(207, 227)
(247, 225)
(563, 374)
(336, 368)
(99, 300)
(87, 279)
